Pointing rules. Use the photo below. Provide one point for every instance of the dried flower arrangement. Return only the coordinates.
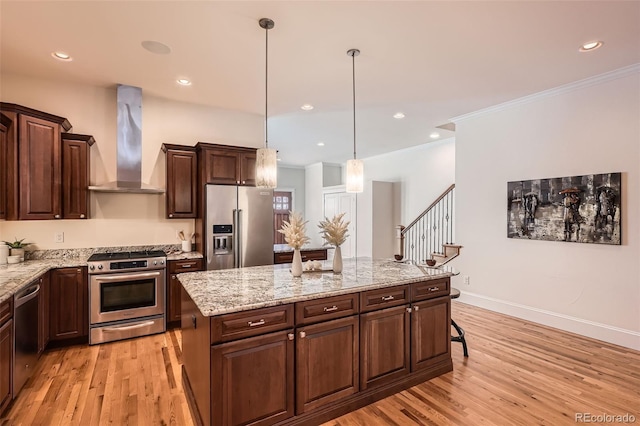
(334, 231)
(294, 231)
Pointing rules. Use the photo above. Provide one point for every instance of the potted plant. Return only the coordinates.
(334, 232)
(17, 247)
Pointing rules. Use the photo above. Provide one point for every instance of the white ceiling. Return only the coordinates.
(432, 60)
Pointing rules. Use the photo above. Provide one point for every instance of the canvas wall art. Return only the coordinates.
(583, 209)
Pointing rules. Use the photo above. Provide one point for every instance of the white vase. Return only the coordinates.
(337, 260)
(18, 252)
(296, 265)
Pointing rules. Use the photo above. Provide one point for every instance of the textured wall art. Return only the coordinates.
(583, 209)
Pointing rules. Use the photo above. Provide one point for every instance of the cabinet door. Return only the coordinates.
(181, 184)
(174, 287)
(3, 171)
(43, 320)
(6, 369)
(221, 167)
(384, 346)
(248, 169)
(40, 169)
(75, 179)
(326, 362)
(69, 316)
(252, 380)
(430, 332)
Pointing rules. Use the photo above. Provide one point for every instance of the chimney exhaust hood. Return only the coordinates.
(129, 146)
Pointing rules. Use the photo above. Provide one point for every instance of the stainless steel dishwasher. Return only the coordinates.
(25, 317)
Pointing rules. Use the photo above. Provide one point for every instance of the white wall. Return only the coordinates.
(313, 202)
(586, 128)
(292, 179)
(122, 219)
(377, 219)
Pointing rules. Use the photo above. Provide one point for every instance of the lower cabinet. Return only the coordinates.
(326, 362)
(252, 380)
(68, 296)
(430, 332)
(6, 361)
(43, 312)
(174, 287)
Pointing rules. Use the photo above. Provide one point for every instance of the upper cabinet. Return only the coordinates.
(5, 122)
(45, 171)
(227, 165)
(182, 171)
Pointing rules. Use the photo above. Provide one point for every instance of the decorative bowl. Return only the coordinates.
(430, 262)
(398, 257)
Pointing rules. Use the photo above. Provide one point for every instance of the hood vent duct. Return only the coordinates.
(129, 147)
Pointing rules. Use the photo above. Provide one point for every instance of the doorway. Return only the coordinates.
(282, 204)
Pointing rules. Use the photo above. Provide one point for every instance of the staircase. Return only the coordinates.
(431, 234)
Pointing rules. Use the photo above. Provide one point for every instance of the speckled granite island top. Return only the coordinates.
(235, 290)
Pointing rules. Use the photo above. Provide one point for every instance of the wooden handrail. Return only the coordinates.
(444, 194)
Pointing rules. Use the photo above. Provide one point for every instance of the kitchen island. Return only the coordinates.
(262, 347)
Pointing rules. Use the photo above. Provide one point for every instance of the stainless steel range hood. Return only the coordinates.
(129, 147)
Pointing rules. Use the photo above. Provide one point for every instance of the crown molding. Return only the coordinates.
(587, 82)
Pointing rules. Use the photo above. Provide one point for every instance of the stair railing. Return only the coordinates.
(431, 229)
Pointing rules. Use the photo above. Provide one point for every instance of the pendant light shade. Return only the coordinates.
(266, 158)
(355, 168)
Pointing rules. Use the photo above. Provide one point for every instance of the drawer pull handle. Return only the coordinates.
(331, 309)
(387, 298)
(187, 265)
(434, 288)
(255, 324)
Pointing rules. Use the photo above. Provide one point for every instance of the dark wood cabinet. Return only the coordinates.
(227, 165)
(32, 172)
(174, 287)
(6, 353)
(75, 175)
(69, 315)
(430, 332)
(43, 312)
(384, 346)
(287, 256)
(182, 172)
(40, 169)
(326, 363)
(254, 380)
(5, 122)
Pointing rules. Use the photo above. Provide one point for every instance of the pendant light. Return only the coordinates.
(266, 158)
(355, 168)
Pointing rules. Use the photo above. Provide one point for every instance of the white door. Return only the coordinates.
(342, 202)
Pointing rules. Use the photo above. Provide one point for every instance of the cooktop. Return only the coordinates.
(124, 255)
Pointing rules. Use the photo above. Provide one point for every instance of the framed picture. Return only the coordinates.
(582, 209)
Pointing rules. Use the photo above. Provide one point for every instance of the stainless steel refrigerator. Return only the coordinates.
(239, 223)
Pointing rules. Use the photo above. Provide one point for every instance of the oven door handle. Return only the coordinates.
(127, 277)
(128, 327)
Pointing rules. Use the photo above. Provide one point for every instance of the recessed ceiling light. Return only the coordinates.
(320, 143)
(62, 56)
(398, 115)
(156, 47)
(592, 45)
(184, 82)
(434, 135)
(307, 107)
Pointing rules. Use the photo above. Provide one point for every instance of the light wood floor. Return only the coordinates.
(518, 373)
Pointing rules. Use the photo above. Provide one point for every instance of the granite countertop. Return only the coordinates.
(284, 248)
(181, 255)
(16, 276)
(235, 290)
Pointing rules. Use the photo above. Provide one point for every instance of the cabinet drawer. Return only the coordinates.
(429, 289)
(383, 298)
(186, 265)
(225, 328)
(6, 310)
(312, 311)
(287, 257)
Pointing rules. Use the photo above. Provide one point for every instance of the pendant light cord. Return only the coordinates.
(266, 87)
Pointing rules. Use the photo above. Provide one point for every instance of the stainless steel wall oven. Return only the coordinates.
(126, 295)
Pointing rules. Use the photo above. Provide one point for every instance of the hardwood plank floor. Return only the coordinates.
(518, 373)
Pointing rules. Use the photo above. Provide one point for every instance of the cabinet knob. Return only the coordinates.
(57, 216)
(82, 216)
(415, 308)
(243, 182)
(173, 277)
(409, 310)
(171, 215)
(303, 334)
(237, 181)
(291, 336)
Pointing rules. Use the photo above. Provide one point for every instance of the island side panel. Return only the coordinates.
(196, 362)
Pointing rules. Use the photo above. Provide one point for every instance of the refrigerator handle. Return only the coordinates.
(235, 238)
(240, 233)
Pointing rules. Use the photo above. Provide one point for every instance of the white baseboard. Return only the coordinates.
(595, 330)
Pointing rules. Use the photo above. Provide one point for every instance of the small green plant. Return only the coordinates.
(17, 243)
